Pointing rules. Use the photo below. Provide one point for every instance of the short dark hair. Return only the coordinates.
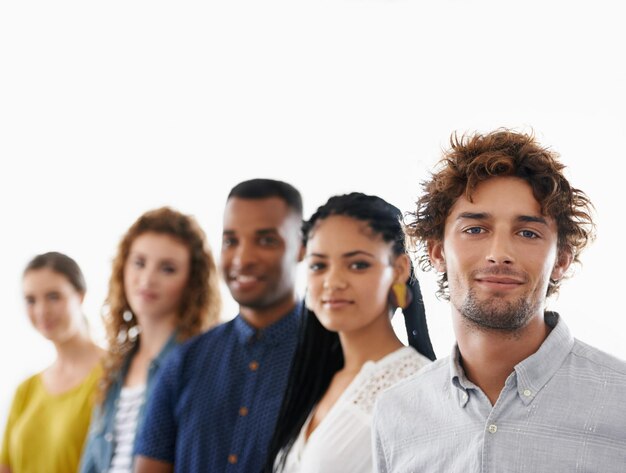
(265, 188)
(61, 264)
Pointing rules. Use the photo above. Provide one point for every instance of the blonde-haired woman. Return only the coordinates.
(163, 290)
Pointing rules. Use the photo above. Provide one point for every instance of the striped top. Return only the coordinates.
(128, 406)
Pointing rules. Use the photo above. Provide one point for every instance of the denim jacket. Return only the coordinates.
(100, 443)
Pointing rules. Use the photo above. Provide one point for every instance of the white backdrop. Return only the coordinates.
(109, 109)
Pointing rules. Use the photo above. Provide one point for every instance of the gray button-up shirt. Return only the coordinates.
(563, 409)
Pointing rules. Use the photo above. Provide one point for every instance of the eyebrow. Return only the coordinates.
(260, 231)
(166, 260)
(487, 216)
(349, 254)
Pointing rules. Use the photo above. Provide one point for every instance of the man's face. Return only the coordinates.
(261, 247)
(499, 253)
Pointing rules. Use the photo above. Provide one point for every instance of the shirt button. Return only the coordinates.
(243, 411)
(254, 365)
(232, 458)
(493, 428)
(464, 396)
(108, 437)
(527, 392)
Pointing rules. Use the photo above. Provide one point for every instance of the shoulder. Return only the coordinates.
(25, 391)
(388, 371)
(599, 361)
(194, 353)
(431, 374)
(27, 386)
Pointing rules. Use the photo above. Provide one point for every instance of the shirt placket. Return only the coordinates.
(491, 428)
(241, 437)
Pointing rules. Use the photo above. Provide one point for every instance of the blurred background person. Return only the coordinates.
(164, 289)
(51, 410)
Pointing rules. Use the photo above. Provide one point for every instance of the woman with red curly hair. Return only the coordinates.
(163, 290)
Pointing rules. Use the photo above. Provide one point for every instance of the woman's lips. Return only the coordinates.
(336, 303)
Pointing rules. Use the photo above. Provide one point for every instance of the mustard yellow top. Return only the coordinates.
(46, 432)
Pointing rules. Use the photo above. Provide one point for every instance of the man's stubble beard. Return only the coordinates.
(496, 313)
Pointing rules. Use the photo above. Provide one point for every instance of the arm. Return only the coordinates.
(149, 465)
(15, 411)
(156, 437)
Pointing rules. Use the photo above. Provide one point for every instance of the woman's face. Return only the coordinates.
(53, 304)
(350, 272)
(155, 276)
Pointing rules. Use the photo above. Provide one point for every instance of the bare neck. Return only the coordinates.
(77, 351)
(261, 318)
(489, 357)
(368, 344)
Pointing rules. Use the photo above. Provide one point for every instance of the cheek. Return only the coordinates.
(127, 277)
(30, 313)
(313, 291)
(176, 289)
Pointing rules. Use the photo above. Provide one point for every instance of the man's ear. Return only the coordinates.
(402, 268)
(436, 255)
(562, 264)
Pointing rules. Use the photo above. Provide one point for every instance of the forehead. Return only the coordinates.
(249, 215)
(44, 279)
(499, 198)
(340, 233)
(159, 245)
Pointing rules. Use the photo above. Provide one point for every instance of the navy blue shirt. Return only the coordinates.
(216, 400)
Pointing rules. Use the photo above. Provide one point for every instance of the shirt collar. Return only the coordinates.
(534, 372)
(458, 378)
(274, 334)
(171, 343)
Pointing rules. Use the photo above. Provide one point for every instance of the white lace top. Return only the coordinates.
(341, 442)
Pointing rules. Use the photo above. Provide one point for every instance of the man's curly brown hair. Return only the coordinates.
(474, 158)
(200, 302)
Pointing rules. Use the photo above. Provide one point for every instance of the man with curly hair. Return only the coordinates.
(501, 225)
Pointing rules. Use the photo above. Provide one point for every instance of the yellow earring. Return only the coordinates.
(400, 295)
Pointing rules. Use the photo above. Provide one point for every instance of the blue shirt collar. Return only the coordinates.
(273, 334)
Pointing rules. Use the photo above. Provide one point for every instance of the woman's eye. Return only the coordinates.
(360, 265)
(316, 267)
(228, 242)
(138, 263)
(168, 269)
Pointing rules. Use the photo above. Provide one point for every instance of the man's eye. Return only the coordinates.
(268, 241)
(528, 234)
(473, 230)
